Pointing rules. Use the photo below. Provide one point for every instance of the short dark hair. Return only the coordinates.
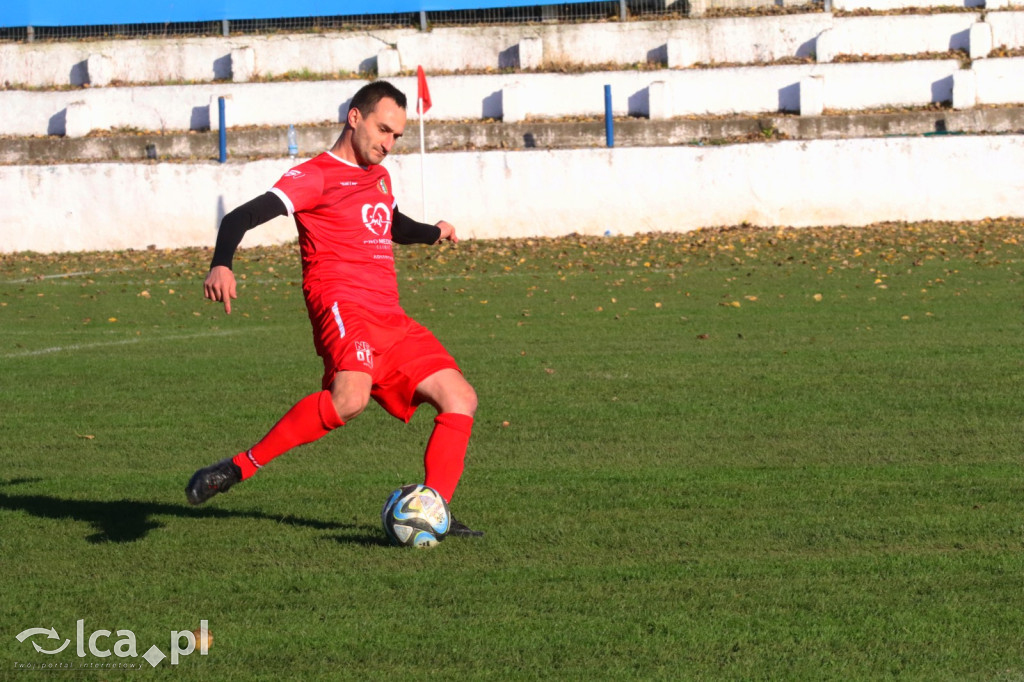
(366, 99)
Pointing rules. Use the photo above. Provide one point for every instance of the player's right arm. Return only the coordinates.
(220, 281)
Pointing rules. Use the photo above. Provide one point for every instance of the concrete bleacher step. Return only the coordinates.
(387, 52)
(810, 86)
(799, 88)
(249, 144)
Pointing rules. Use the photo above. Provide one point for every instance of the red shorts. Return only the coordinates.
(395, 350)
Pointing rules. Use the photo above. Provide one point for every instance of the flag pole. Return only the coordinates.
(423, 160)
(422, 106)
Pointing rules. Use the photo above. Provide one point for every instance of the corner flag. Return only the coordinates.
(422, 92)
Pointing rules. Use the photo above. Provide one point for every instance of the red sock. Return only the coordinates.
(310, 419)
(446, 452)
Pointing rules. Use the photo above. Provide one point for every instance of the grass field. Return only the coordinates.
(733, 454)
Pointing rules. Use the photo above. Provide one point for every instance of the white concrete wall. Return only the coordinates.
(738, 40)
(887, 5)
(688, 92)
(190, 59)
(133, 61)
(731, 40)
(725, 40)
(179, 107)
(999, 81)
(1007, 28)
(900, 34)
(534, 193)
(875, 84)
(679, 43)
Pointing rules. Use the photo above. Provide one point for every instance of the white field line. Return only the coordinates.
(36, 332)
(65, 275)
(297, 279)
(110, 344)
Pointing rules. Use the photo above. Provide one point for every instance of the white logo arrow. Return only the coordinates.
(51, 634)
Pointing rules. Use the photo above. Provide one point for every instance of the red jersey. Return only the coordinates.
(343, 213)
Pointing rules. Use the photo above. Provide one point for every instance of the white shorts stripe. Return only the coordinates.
(337, 319)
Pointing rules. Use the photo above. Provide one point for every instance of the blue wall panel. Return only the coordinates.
(68, 13)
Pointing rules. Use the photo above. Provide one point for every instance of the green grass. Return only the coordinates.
(729, 454)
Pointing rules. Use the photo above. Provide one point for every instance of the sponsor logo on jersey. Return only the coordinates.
(382, 186)
(377, 218)
(294, 173)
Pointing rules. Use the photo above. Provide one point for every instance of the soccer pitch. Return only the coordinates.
(727, 454)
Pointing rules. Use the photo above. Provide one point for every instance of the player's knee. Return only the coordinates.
(448, 391)
(462, 399)
(350, 404)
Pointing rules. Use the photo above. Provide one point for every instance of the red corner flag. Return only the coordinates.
(422, 93)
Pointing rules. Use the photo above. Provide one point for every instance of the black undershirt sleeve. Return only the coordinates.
(405, 230)
(236, 223)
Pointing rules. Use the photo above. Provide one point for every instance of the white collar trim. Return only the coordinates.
(341, 160)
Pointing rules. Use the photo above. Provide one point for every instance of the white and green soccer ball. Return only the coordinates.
(415, 516)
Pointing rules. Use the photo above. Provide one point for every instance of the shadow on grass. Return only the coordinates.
(131, 520)
(366, 537)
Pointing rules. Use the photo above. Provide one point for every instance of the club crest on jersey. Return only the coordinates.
(382, 186)
(364, 353)
(377, 218)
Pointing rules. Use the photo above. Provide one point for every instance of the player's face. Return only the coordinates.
(374, 135)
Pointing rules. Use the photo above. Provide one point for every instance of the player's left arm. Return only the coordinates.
(405, 230)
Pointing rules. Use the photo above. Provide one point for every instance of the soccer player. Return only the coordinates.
(347, 219)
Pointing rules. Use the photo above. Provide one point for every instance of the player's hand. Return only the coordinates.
(447, 232)
(220, 286)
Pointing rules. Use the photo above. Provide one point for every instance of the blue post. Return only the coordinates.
(223, 132)
(609, 128)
